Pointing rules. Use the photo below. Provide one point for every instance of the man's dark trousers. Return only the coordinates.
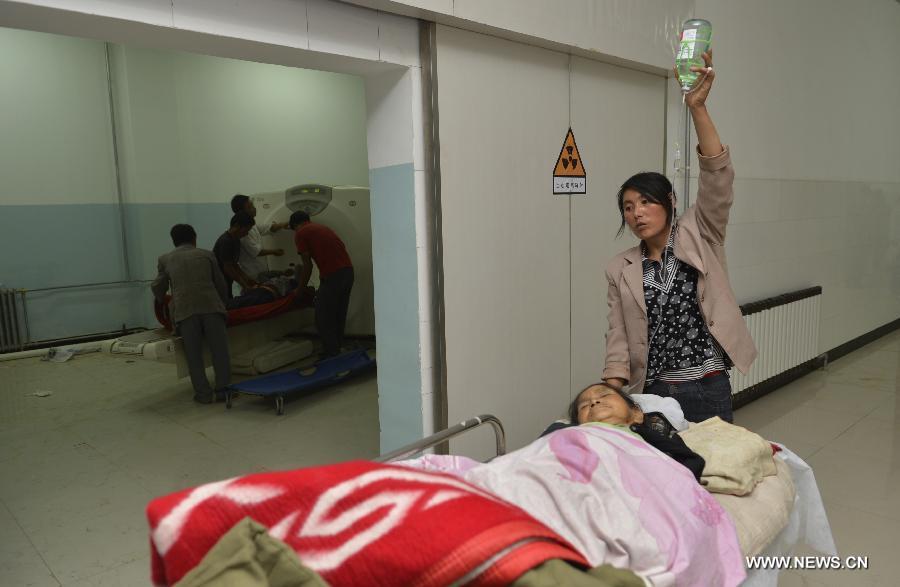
(208, 328)
(332, 301)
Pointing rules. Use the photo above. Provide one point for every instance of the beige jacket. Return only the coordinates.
(195, 280)
(699, 242)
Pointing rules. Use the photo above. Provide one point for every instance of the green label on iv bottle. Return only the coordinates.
(696, 37)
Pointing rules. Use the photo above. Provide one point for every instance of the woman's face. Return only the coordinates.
(645, 218)
(599, 403)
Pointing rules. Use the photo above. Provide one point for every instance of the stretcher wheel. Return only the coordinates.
(279, 405)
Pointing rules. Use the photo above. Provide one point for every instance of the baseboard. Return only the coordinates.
(59, 342)
(861, 341)
(754, 392)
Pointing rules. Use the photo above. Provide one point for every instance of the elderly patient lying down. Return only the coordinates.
(613, 488)
(604, 403)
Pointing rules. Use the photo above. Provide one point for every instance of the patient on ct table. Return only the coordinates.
(276, 286)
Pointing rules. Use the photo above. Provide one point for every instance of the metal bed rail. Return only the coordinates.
(437, 438)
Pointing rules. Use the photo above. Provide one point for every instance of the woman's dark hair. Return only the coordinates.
(183, 234)
(573, 407)
(238, 202)
(656, 187)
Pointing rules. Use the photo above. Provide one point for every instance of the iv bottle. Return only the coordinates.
(696, 38)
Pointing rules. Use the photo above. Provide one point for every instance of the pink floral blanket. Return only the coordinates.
(617, 500)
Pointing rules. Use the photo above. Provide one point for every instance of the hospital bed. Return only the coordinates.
(759, 531)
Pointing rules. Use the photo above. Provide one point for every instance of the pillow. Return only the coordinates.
(667, 406)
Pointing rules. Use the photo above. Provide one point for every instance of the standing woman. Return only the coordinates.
(674, 325)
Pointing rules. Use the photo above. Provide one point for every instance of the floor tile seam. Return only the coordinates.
(845, 430)
(854, 509)
(811, 455)
(31, 542)
(882, 388)
(837, 410)
(810, 578)
(846, 452)
(119, 468)
(891, 519)
(211, 440)
(841, 433)
(862, 370)
(861, 382)
(870, 363)
(807, 581)
(882, 515)
(113, 568)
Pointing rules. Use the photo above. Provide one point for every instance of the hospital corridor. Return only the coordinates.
(593, 293)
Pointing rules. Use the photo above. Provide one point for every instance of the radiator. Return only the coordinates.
(11, 338)
(785, 329)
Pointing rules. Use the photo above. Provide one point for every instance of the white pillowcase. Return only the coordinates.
(667, 406)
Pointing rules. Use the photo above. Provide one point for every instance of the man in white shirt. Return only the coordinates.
(252, 251)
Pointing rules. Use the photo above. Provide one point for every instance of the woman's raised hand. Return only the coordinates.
(696, 98)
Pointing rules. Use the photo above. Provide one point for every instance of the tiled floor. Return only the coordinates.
(78, 467)
(845, 421)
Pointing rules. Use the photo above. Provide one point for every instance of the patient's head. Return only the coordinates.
(600, 402)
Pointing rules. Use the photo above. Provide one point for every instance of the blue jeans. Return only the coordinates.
(700, 399)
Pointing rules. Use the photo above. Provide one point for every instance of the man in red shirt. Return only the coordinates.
(318, 243)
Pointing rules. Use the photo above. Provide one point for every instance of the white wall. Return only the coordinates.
(197, 128)
(48, 156)
(817, 188)
(642, 32)
(524, 291)
(806, 96)
(619, 119)
(505, 237)
(257, 30)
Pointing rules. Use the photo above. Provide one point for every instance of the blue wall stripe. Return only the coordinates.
(70, 244)
(396, 304)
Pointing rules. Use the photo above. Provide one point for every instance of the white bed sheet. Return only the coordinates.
(807, 524)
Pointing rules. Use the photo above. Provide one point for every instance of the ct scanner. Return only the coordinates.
(344, 209)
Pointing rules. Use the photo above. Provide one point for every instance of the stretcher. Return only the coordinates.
(760, 530)
(324, 373)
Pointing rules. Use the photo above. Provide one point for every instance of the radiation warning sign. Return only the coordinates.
(569, 176)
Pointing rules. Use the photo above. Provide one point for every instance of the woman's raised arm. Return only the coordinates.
(707, 135)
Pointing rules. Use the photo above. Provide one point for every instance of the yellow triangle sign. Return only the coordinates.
(569, 176)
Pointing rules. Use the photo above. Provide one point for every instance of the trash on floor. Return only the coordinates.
(42, 393)
(61, 354)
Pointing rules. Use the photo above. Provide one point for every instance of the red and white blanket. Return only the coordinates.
(360, 523)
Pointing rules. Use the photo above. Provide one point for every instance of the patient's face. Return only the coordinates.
(601, 404)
